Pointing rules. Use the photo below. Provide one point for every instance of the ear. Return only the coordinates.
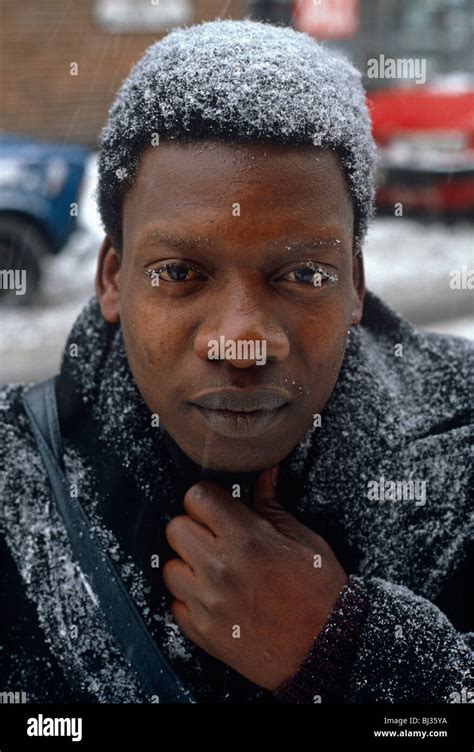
(107, 282)
(358, 286)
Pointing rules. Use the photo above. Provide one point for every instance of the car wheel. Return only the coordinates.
(22, 246)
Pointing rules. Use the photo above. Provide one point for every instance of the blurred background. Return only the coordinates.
(61, 64)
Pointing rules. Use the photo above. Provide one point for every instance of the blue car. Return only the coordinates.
(39, 188)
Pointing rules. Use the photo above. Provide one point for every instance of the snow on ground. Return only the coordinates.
(410, 264)
(460, 327)
(407, 262)
(31, 339)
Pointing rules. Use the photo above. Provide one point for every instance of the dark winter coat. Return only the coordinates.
(403, 626)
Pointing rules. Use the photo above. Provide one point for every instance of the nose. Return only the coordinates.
(241, 327)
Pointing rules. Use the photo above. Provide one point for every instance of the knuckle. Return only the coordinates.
(219, 569)
(213, 603)
(265, 528)
(252, 546)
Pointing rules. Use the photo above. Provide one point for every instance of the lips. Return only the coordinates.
(241, 414)
(238, 400)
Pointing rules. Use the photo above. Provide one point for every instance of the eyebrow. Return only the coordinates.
(156, 237)
(291, 245)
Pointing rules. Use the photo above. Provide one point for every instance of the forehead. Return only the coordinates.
(265, 188)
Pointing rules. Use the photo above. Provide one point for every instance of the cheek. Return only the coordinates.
(322, 333)
(320, 343)
(153, 341)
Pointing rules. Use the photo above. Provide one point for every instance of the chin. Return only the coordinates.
(233, 461)
(221, 453)
(235, 466)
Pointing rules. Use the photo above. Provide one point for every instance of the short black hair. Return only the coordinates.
(237, 81)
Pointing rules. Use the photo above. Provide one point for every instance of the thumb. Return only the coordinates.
(265, 500)
(267, 504)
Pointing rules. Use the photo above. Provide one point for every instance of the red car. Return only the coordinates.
(425, 134)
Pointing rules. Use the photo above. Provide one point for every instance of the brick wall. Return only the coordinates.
(39, 39)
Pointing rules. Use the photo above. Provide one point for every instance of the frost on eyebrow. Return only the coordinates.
(316, 243)
(243, 80)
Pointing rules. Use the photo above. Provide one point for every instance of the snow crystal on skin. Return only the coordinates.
(249, 81)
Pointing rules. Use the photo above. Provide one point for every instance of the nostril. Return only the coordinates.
(243, 346)
(240, 352)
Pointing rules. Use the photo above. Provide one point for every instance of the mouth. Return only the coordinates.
(241, 413)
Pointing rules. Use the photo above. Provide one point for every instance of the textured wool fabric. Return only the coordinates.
(325, 670)
(402, 628)
(242, 80)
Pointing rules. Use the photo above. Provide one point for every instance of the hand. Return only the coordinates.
(246, 587)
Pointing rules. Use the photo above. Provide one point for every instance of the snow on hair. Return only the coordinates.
(243, 81)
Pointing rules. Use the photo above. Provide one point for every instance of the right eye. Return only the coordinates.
(174, 272)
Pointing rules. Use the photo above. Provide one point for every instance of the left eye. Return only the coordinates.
(309, 274)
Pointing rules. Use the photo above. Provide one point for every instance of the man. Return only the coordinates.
(275, 462)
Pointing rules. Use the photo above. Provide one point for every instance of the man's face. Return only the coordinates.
(236, 274)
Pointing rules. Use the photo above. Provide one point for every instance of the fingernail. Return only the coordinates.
(197, 492)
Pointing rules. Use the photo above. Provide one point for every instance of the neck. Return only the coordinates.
(189, 472)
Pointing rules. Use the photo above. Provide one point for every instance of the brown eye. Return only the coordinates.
(310, 275)
(174, 272)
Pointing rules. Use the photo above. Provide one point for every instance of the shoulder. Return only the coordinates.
(426, 373)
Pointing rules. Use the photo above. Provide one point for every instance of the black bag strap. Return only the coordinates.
(125, 622)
